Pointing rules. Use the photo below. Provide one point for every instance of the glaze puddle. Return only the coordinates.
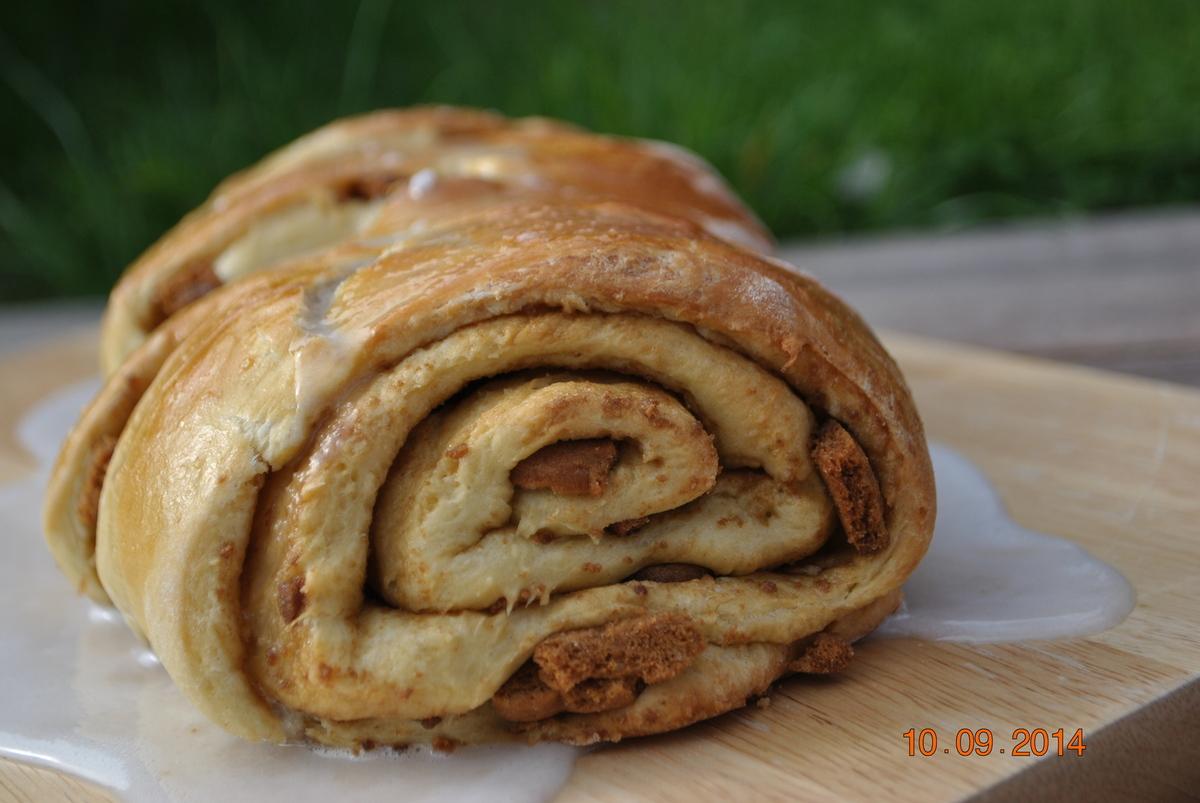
(986, 579)
(81, 694)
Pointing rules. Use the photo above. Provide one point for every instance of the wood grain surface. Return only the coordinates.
(1110, 462)
(1118, 292)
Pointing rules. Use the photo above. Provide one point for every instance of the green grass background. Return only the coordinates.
(118, 117)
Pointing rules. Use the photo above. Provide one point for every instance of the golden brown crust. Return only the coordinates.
(257, 451)
(69, 513)
(852, 485)
(463, 157)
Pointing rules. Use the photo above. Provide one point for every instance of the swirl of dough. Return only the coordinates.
(540, 467)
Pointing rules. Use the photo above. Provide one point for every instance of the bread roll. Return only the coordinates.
(544, 447)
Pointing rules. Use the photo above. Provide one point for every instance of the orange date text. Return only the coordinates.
(982, 742)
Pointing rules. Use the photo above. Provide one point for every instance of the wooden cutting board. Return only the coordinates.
(1110, 462)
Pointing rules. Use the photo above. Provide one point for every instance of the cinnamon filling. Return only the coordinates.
(628, 526)
(599, 668)
(570, 468)
(291, 598)
(601, 694)
(852, 486)
(368, 187)
(88, 505)
(671, 573)
(525, 698)
(195, 280)
(824, 655)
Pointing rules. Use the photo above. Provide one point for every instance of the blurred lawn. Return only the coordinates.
(831, 117)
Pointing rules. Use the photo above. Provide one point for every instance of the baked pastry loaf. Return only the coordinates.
(333, 184)
(548, 460)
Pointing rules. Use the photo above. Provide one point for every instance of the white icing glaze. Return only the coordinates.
(422, 183)
(987, 579)
(301, 229)
(483, 161)
(81, 694)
